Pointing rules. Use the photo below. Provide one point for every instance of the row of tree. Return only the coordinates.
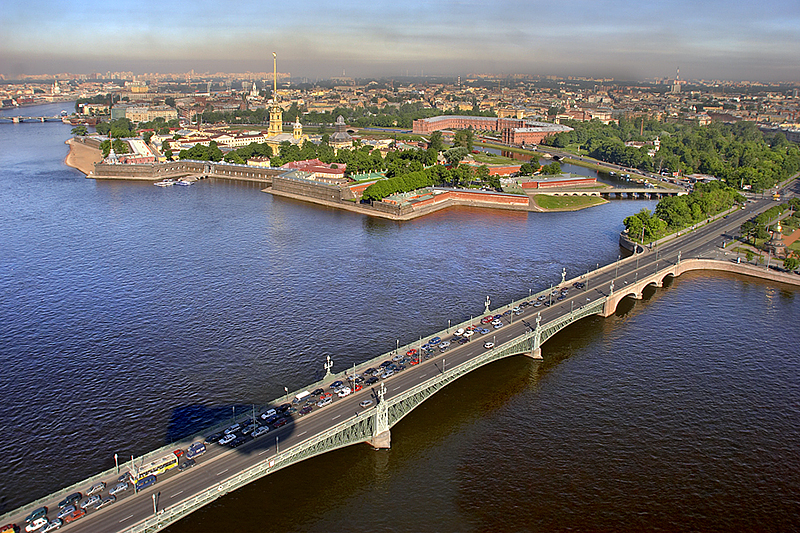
(756, 227)
(739, 154)
(677, 212)
(436, 175)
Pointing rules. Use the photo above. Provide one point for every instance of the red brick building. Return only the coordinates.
(515, 131)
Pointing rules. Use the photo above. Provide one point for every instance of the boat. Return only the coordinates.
(165, 183)
(183, 182)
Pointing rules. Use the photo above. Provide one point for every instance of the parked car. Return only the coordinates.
(227, 439)
(187, 464)
(35, 524)
(372, 380)
(325, 401)
(260, 430)
(346, 391)
(37, 513)
(74, 515)
(65, 511)
(52, 525)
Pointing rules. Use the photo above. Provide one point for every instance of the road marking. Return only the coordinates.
(394, 389)
(303, 433)
(131, 516)
(335, 417)
(424, 376)
(220, 473)
(178, 494)
(262, 453)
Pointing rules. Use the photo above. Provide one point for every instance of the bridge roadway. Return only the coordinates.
(219, 463)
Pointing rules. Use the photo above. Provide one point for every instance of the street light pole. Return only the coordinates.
(116, 462)
(155, 510)
(619, 258)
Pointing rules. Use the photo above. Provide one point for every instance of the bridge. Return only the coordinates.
(18, 120)
(638, 193)
(344, 422)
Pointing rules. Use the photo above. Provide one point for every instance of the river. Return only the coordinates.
(133, 314)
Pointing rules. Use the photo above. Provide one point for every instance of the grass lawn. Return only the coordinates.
(567, 203)
(491, 159)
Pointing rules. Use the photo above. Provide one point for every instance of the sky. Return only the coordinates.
(706, 39)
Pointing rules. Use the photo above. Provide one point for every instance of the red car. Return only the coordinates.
(411, 352)
(10, 528)
(415, 361)
(74, 515)
(178, 452)
(326, 395)
(486, 319)
(279, 423)
(357, 388)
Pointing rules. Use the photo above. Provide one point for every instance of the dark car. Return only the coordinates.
(280, 423)
(336, 384)
(73, 498)
(317, 392)
(187, 464)
(145, 482)
(369, 372)
(284, 407)
(307, 409)
(272, 419)
(37, 513)
(371, 380)
(214, 438)
(385, 364)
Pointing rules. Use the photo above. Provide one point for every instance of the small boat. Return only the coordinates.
(165, 183)
(185, 183)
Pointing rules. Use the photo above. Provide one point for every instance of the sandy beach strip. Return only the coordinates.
(82, 157)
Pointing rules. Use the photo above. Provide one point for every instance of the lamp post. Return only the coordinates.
(155, 509)
(277, 450)
(448, 325)
(286, 389)
(397, 346)
(619, 258)
(116, 462)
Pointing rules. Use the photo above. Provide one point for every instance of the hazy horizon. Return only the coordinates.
(735, 40)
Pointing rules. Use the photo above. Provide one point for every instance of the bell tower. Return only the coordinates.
(275, 112)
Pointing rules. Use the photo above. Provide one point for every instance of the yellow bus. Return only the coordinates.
(154, 468)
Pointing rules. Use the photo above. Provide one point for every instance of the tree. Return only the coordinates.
(791, 263)
(482, 173)
(436, 142)
(464, 138)
(526, 169)
(170, 101)
(749, 256)
(147, 136)
(552, 169)
(79, 130)
(453, 156)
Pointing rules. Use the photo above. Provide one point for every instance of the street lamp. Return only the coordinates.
(286, 389)
(397, 347)
(155, 510)
(619, 257)
(448, 325)
(116, 462)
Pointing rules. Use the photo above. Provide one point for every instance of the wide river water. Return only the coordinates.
(132, 315)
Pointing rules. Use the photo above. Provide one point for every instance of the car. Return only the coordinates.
(284, 407)
(280, 423)
(325, 401)
(434, 341)
(214, 437)
(357, 388)
(469, 333)
(486, 319)
(119, 487)
(537, 304)
(36, 513)
(248, 429)
(147, 481)
(289, 411)
(9, 528)
(369, 372)
(372, 380)
(414, 361)
(260, 430)
(498, 326)
(445, 344)
(52, 525)
(178, 452)
(483, 331)
(463, 340)
(187, 464)
(108, 500)
(35, 524)
(507, 313)
(317, 392)
(459, 332)
(195, 450)
(496, 321)
(397, 357)
(562, 297)
(305, 410)
(346, 391)
(65, 511)
(444, 348)
(270, 412)
(74, 515)
(75, 497)
(387, 374)
(336, 384)
(385, 364)
(238, 441)
(97, 487)
(488, 345)
(326, 395)
(232, 428)
(542, 298)
(412, 352)
(365, 403)
(227, 439)
(273, 418)
(91, 500)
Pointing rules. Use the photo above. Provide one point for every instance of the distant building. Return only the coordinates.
(139, 113)
(340, 137)
(514, 131)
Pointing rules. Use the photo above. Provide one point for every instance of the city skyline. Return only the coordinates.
(713, 40)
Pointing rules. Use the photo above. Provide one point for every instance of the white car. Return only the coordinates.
(230, 437)
(36, 524)
(118, 488)
(52, 525)
(365, 403)
(97, 487)
(344, 392)
(260, 430)
(91, 500)
(444, 344)
(459, 332)
(488, 345)
(469, 333)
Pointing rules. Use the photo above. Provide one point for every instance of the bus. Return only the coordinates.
(154, 468)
